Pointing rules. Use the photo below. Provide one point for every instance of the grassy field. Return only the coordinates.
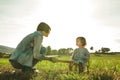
(102, 67)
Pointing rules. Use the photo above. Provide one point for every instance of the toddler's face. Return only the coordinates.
(78, 43)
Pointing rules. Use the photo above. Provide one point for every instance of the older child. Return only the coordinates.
(30, 50)
(80, 55)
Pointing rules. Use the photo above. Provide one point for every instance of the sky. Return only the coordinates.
(96, 20)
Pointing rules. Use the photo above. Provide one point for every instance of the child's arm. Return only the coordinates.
(86, 56)
(37, 47)
(53, 59)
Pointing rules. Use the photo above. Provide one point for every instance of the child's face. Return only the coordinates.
(46, 34)
(78, 43)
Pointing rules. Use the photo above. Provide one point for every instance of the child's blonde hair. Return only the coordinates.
(83, 40)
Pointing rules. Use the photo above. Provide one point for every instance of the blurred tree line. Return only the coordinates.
(69, 51)
(4, 55)
(103, 50)
(61, 51)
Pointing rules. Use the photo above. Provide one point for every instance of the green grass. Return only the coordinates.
(4, 61)
(102, 67)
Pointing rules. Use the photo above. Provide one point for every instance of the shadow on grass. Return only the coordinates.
(18, 75)
(102, 77)
(8, 73)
